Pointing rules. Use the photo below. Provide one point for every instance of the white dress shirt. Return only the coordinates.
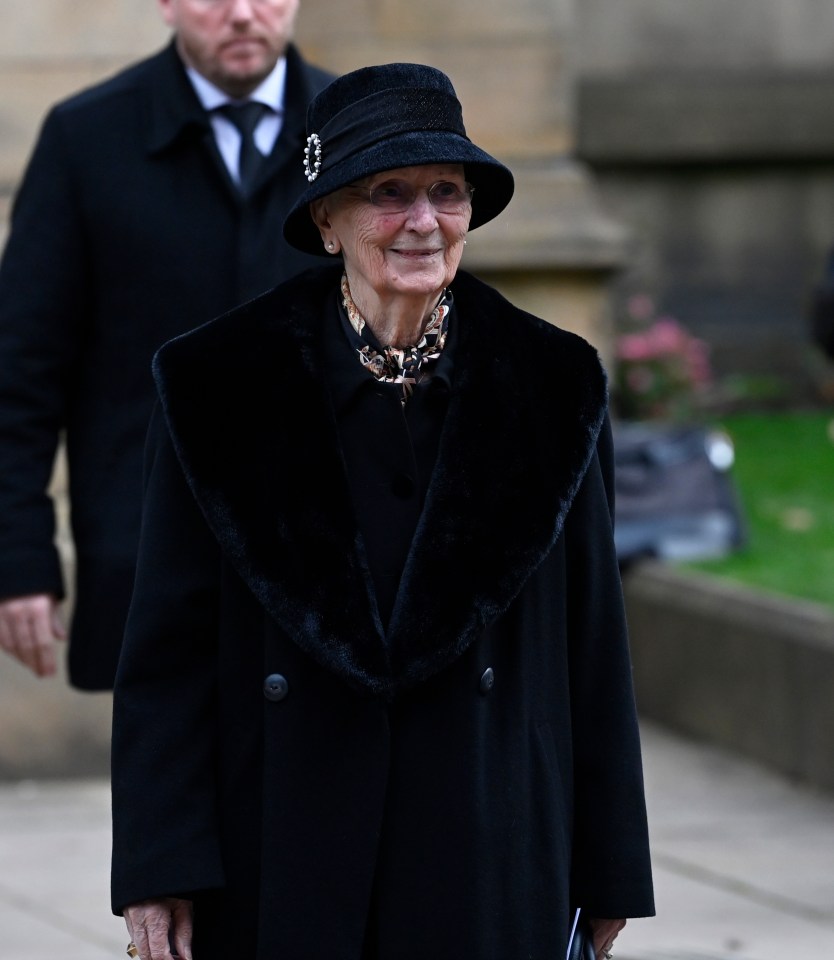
(270, 93)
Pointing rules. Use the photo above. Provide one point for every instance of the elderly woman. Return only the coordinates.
(375, 696)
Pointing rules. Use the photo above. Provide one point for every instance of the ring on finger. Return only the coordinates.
(131, 950)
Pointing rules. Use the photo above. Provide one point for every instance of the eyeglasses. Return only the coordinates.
(397, 196)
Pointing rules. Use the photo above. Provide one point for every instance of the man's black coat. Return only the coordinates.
(126, 231)
(460, 778)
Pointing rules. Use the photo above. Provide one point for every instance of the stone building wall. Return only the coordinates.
(50, 48)
(708, 126)
(642, 36)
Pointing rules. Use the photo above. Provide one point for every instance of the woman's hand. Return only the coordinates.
(605, 933)
(157, 926)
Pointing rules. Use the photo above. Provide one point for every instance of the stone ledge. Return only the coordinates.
(555, 221)
(748, 670)
(729, 117)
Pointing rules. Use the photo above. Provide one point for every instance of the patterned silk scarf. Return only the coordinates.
(408, 365)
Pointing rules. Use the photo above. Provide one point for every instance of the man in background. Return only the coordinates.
(152, 202)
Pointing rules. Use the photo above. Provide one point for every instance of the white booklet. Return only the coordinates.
(572, 932)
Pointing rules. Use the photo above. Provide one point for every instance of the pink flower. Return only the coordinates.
(668, 336)
(641, 307)
(699, 365)
(634, 346)
(660, 368)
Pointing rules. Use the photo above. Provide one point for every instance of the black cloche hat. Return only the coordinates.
(384, 117)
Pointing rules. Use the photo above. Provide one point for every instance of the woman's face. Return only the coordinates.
(414, 253)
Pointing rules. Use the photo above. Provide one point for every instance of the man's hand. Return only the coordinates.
(157, 926)
(29, 628)
(605, 933)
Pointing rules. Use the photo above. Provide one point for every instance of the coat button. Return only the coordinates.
(276, 687)
(487, 680)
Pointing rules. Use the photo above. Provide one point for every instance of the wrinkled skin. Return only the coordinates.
(397, 264)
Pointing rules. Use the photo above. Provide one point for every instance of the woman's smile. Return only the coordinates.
(415, 253)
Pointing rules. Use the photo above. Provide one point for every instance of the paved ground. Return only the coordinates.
(744, 865)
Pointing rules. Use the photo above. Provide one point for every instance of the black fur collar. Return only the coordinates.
(253, 428)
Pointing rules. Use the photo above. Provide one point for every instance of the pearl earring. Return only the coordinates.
(330, 245)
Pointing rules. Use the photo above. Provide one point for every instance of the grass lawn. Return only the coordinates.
(784, 473)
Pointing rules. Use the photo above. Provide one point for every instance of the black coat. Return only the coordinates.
(461, 778)
(126, 231)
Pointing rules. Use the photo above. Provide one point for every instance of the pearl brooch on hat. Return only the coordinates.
(313, 147)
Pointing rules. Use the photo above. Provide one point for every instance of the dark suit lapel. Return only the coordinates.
(174, 110)
(175, 115)
(177, 118)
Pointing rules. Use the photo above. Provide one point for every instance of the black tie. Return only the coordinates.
(246, 117)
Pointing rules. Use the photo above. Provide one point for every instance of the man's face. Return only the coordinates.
(232, 43)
